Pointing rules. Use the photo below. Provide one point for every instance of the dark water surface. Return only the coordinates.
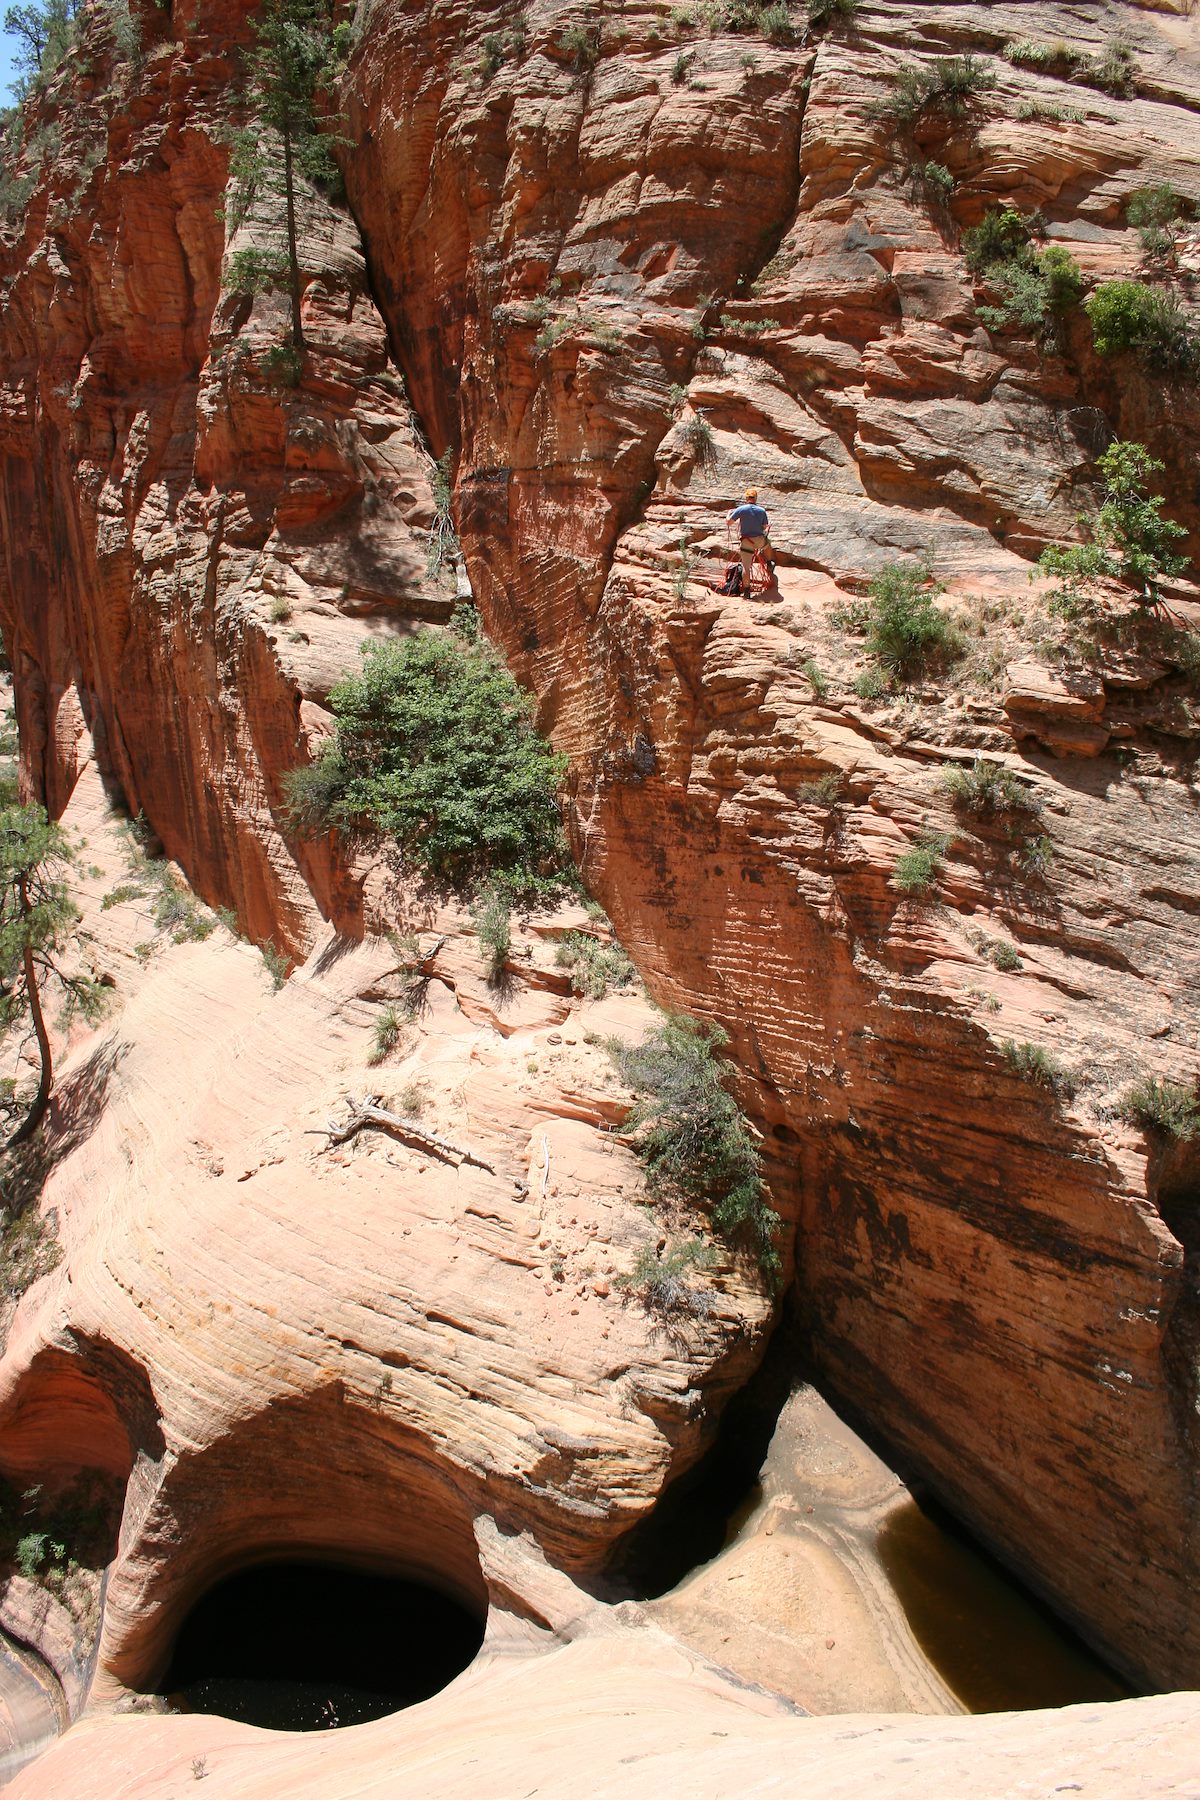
(991, 1641)
(306, 1647)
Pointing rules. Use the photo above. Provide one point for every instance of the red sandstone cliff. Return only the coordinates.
(994, 1275)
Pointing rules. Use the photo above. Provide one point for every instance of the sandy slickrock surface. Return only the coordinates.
(363, 1349)
(629, 1716)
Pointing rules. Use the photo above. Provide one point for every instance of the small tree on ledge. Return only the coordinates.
(37, 916)
(1131, 541)
(285, 144)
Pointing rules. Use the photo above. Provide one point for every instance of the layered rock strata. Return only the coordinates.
(995, 1273)
(357, 1348)
(623, 285)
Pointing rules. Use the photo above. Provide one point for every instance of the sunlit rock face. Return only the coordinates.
(993, 1270)
(578, 263)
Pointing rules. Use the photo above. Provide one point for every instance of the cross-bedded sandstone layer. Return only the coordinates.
(995, 1274)
(580, 258)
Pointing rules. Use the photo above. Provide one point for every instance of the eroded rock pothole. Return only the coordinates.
(304, 1646)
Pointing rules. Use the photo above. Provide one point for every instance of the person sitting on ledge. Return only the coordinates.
(754, 524)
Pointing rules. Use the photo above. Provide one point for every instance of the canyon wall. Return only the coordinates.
(554, 239)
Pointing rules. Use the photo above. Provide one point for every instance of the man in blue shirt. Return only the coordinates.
(753, 525)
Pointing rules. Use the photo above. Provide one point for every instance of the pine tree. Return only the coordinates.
(37, 916)
(285, 144)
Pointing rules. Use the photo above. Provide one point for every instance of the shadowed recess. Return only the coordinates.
(307, 1647)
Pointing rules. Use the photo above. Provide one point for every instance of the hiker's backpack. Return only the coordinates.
(732, 583)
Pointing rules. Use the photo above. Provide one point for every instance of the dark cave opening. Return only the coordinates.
(306, 1646)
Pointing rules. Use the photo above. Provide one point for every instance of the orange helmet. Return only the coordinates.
(752, 493)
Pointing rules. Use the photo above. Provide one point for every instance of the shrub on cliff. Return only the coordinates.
(37, 925)
(435, 747)
(1131, 541)
(1035, 287)
(1166, 1106)
(692, 1137)
(1151, 325)
(1156, 214)
(905, 630)
(659, 1279)
(987, 787)
(947, 87)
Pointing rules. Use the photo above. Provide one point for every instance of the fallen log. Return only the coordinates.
(368, 1111)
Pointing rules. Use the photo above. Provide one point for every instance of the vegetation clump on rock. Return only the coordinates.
(692, 1137)
(1130, 540)
(905, 631)
(1168, 1107)
(435, 748)
(1153, 326)
(1035, 287)
(987, 787)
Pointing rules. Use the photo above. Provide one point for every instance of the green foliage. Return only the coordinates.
(174, 908)
(1037, 1065)
(692, 1138)
(580, 46)
(443, 539)
(660, 1279)
(276, 962)
(947, 88)
(1036, 287)
(1168, 1107)
(1003, 955)
(466, 623)
(987, 787)
(280, 610)
(697, 435)
(435, 747)
(492, 913)
(253, 271)
(37, 921)
(597, 967)
(930, 181)
(43, 34)
(825, 791)
(385, 1033)
(905, 630)
(815, 679)
(292, 58)
(48, 1540)
(1037, 856)
(1151, 325)
(283, 365)
(829, 12)
(870, 684)
(764, 18)
(681, 67)
(1131, 541)
(1113, 71)
(1156, 213)
(683, 573)
(917, 870)
(748, 327)
(497, 48)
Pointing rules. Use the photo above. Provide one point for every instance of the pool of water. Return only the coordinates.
(298, 1646)
(994, 1645)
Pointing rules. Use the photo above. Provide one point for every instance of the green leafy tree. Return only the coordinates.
(1131, 541)
(42, 34)
(285, 145)
(436, 748)
(37, 917)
